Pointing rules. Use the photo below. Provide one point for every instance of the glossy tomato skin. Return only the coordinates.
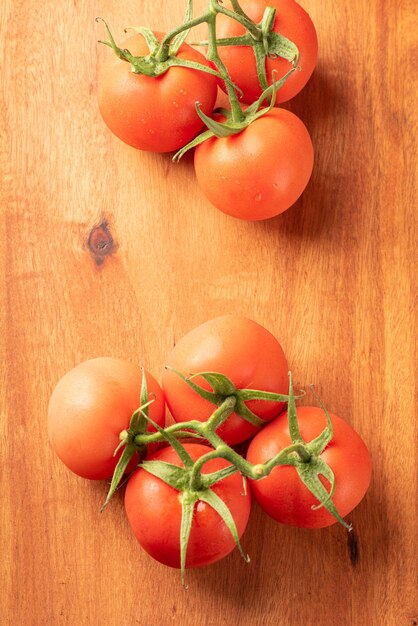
(238, 348)
(291, 21)
(154, 113)
(260, 172)
(154, 513)
(88, 409)
(283, 496)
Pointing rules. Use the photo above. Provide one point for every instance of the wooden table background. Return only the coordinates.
(332, 278)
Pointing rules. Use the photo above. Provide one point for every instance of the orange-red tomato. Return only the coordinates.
(154, 513)
(260, 172)
(240, 349)
(282, 494)
(155, 113)
(89, 408)
(292, 22)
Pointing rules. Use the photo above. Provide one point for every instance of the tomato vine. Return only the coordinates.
(264, 42)
(306, 467)
(157, 116)
(304, 456)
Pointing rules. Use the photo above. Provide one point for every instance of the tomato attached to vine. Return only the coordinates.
(168, 114)
(189, 491)
(190, 478)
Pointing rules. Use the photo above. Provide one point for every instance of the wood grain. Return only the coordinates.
(333, 278)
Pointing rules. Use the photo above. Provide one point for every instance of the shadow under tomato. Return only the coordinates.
(320, 99)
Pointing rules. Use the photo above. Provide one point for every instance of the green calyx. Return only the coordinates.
(311, 471)
(264, 41)
(231, 126)
(269, 45)
(310, 465)
(162, 55)
(137, 426)
(193, 487)
(306, 458)
(224, 389)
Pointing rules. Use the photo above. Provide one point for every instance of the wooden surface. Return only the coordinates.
(332, 278)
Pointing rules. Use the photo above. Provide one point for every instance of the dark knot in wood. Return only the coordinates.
(100, 242)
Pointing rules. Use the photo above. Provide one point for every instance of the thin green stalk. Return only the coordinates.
(252, 28)
(221, 414)
(164, 50)
(283, 457)
(181, 429)
(212, 55)
(237, 8)
(196, 473)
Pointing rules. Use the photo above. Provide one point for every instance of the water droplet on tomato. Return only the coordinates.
(183, 92)
(257, 198)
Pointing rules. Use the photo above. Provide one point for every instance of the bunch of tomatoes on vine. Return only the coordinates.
(188, 487)
(252, 159)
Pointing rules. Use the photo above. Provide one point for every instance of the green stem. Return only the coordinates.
(243, 466)
(202, 429)
(243, 19)
(293, 454)
(212, 55)
(164, 50)
(294, 431)
(237, 8)
(180, 429)
(207, 429)
(267, 26)
(282, 458)
(196, 473)
(302, 456)
(221, 414)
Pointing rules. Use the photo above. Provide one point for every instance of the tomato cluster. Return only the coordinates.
(224, 382)
(254, 161)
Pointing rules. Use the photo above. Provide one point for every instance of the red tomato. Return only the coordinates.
(89, 408)
(260, 172)
(292, 22)
(155, 113)
(154, 513)
(238, 348)
(283, 495)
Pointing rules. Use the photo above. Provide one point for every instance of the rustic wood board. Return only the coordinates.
(332, 278)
